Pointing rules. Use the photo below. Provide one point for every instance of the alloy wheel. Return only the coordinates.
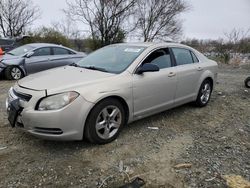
(16, 73)
(205, 93)
(108, 122)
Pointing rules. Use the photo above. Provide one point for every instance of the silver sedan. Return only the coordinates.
(109, 88)
(35, 57)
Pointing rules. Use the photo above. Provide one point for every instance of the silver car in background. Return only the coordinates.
(109, 88)
(36, 57)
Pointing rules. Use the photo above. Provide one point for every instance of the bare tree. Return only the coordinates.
(71, 31)
(16, 15)
(158, 19)
(236, 35)
(105, 18)
(236, 38)
(67, 27)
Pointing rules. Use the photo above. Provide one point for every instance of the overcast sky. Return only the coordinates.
(206, 19)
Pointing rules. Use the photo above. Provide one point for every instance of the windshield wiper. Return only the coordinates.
(9, 53)
(95, 68)
(74, 65)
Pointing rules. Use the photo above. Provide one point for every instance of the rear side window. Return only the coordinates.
(61, 51)
(182, 56)
(196, 60)
(42, 52)
(161, 58)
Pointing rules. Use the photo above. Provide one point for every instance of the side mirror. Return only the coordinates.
(147, 67)
(29, 54)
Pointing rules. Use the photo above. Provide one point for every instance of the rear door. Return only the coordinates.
(61, 57)
(188, 75)
(39, 61)
(154, 91)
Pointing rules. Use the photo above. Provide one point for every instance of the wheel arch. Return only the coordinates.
(210, 79)
(120, 99)
(206, 75)
(18, 66)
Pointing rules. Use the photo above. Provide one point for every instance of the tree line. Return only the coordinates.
(234, 43)
(112, 21)
(106, 21)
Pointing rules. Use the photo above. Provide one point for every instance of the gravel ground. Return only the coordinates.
(214, 141)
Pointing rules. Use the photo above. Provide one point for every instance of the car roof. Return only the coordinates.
(38, 45)
(6, 39)
(156, 45)
(152, 44)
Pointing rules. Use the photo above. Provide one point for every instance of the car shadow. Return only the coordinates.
(2, 77)
(83, 144)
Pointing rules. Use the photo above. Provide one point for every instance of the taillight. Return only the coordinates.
(1, 51)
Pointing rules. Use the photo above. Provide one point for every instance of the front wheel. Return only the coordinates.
(204, 93)
(247, 82)
(105, 121)
(13, 73)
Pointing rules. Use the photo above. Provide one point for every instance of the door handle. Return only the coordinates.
(171, 74)
(200, 69)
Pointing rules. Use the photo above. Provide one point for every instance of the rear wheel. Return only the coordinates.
(13, 73)
(105, 122)
(247, 82)
(204, 93)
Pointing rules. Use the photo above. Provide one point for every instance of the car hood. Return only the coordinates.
(11, 60)
(63, 78)
(9, 57)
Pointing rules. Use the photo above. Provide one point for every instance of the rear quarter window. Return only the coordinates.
(196, 60)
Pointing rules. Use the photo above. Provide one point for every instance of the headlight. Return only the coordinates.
(57, 101)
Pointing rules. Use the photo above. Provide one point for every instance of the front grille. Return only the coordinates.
(48, 130)
(22, 96)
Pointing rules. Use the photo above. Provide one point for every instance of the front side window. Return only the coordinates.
(61, 51)
(161, 58)
(182, 56)
(113, 59)
(42, 52)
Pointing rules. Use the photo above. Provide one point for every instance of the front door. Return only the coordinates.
(155, 91)
(39, 61)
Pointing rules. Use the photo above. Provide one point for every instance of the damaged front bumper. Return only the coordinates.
(2, 67)
(63, 124)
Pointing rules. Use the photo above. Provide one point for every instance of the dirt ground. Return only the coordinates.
(214, 139)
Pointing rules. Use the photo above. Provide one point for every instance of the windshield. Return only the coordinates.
(113, 59)
(20, 50)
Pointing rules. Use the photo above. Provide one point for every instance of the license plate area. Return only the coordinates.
(14, 110)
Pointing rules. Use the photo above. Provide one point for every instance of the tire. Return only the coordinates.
(204, 93)
(101, 127)
(13, 73)
(247, 82)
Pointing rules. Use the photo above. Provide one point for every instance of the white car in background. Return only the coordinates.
(109, 88)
